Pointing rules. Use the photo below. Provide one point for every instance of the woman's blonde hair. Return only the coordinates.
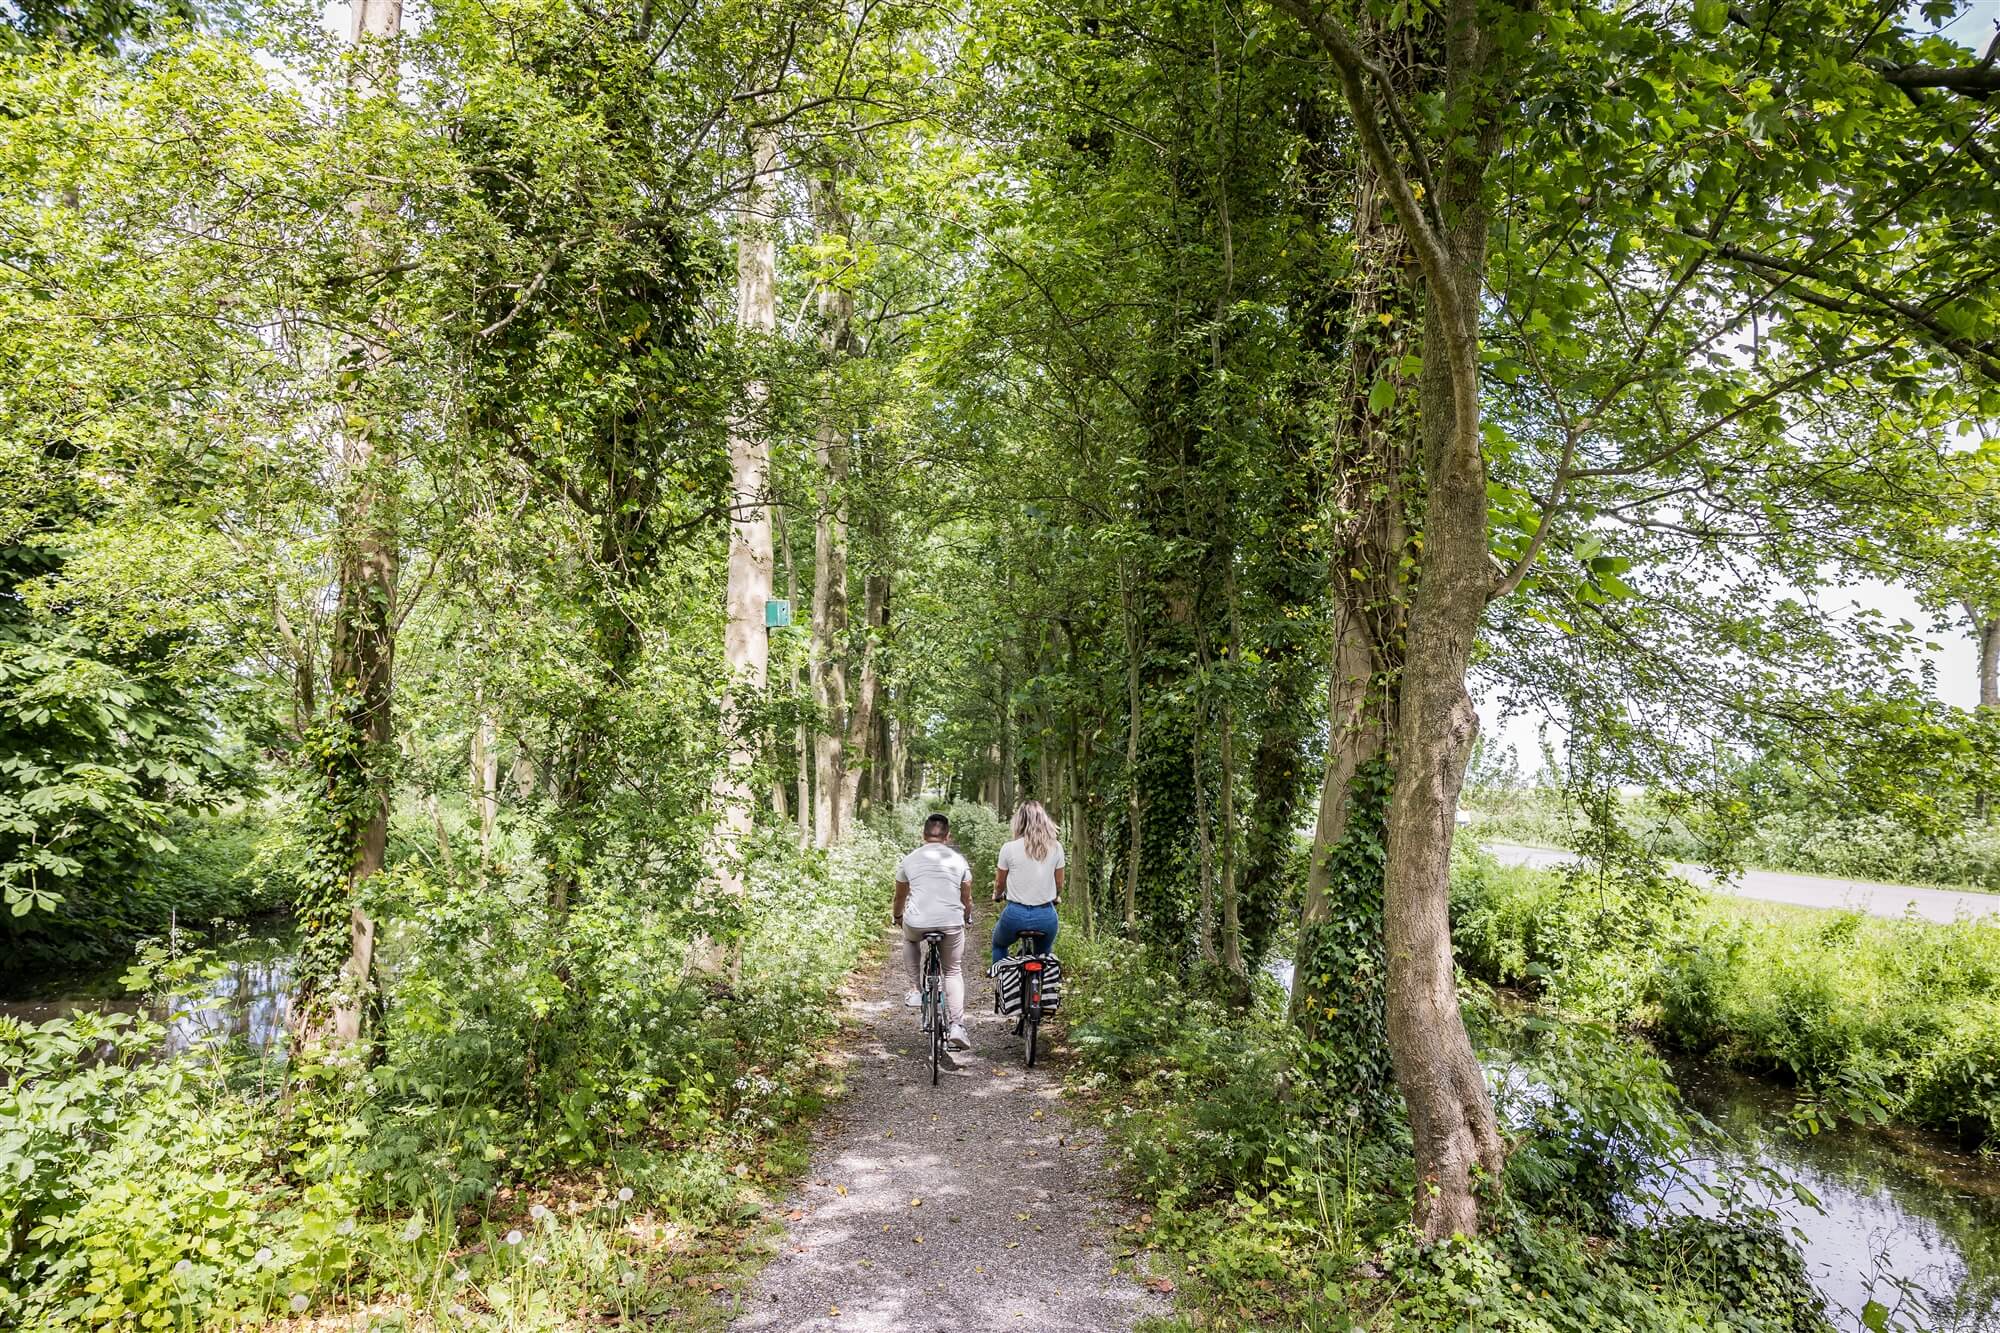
(1035, 829)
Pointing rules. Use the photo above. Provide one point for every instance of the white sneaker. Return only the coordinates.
(955, 1038)
(913, 999)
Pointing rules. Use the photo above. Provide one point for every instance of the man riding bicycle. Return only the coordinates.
(934, 893)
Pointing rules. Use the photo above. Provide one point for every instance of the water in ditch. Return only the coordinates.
(1906, 1218)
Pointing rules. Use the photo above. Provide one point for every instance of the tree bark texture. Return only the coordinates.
(861, 721)
(746, 642)
(829, 658)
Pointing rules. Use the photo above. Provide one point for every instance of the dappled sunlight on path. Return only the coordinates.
(975, 1204)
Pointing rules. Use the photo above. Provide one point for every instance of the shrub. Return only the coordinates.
(138, 1189)
(1866, 1015)
(183, 1193)
(1284, 1211)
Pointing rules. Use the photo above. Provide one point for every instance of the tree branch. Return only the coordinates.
(1426, 239)
(1937, 331)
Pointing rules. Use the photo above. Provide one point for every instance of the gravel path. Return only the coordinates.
(1890, 900)
(976, 1204)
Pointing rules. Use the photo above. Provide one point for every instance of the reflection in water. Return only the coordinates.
(1907, 1220)
(247, 1001)
(1905, 1217)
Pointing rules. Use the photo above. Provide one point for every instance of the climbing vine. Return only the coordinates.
(342, 787)
(1341, 965)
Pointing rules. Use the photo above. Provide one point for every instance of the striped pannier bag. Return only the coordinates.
(1006, 975)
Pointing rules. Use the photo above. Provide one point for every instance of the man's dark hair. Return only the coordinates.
(937, 826)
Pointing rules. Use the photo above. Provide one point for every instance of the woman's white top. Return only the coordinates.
(1030, 882)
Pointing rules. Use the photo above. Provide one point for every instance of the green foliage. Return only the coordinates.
(137, 1188)
(1868, 1017)
(182, 1190)
(1281, 1206)
(96, 762)
(1794, 833)
(1573, 932)
(1341, 971)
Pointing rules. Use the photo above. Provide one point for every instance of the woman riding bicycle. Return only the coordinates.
(934, 893)
(1030, 878)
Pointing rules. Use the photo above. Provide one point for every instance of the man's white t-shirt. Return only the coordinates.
(933, 871)
(1030, 882)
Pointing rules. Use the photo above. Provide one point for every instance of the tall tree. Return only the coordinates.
(746, 642)
(355, 748)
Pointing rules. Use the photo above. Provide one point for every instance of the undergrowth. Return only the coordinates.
(1871, 1017)
(1281, 1205)
(560, 1128)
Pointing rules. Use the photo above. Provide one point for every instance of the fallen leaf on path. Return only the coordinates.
(795, 1214)
(1163, 1285)
(916, 1203)
(840, 1189)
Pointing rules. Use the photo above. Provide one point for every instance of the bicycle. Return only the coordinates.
(1036, 969)
(933, 998)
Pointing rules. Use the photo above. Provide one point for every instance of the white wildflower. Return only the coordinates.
(300, 1302)
(514, 1238)
(628, 1277)
(461, 1275)
(540, 1260)
(264, 1255)
(346, 1227)
(539, 1213)
(625, 1194)
(413, 1228)
(181, 1268)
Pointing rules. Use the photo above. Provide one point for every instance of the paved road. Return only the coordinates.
(973, 1205)
(1774, 886)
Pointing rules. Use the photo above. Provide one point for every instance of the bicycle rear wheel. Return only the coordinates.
(934, 989)
(1034, 1036)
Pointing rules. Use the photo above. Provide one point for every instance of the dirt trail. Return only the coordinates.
(974, 1205)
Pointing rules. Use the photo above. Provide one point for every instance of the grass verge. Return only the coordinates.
(1870, 1017)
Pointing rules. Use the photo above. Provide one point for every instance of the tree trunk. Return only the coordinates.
(861, 723)
(801, 735)
(836, 311)
(1132, 804)
(485, 763)
(746, 642)
(1006, 759)
(1987, 630)
(1078, 875)
(829, 664)
(1232, 926)
(368, 536)
(1454, 1135)
(1203, 840)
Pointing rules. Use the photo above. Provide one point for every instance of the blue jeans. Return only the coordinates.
(1015, 919)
